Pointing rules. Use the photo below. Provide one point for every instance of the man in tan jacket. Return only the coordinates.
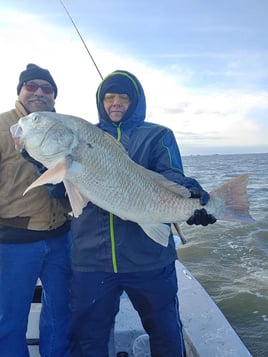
(34, 234)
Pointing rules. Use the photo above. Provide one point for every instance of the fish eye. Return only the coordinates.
(35, 118)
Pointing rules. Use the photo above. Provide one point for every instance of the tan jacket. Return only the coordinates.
(36, 210)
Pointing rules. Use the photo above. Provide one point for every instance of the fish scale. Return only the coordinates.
(95, 167)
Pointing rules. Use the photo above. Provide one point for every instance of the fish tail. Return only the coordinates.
(233, 195)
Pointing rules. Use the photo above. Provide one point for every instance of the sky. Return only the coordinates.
(203, 63)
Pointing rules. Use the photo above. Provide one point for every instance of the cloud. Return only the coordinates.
(202, 118)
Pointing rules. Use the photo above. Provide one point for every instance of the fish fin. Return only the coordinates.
(170, 185)
(234, 195)
(53, 175)
(77, 200)
(158, 232)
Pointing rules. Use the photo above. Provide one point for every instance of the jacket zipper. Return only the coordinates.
(112, 218)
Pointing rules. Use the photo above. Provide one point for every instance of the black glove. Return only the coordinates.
(195, 188)
(201, 216)
(55, 191)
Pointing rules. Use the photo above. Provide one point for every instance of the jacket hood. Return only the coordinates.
(121, 81)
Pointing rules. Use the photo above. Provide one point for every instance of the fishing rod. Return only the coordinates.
(79, 34)
(176, 226)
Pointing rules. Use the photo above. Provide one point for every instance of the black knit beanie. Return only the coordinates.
(34, 72)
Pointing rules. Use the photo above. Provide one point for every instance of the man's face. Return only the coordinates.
(116, 105)
(37, 95)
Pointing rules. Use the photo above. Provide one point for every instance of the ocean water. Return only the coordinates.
(230, 260)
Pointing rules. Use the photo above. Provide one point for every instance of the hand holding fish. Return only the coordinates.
(200, 217)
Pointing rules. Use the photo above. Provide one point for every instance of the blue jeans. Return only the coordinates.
(95, 303)
(20, 267)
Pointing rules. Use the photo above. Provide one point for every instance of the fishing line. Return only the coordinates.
(79, 34)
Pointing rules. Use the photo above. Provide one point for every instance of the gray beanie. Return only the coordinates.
(34, 72)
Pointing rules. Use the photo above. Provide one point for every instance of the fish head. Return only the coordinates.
(44, 137)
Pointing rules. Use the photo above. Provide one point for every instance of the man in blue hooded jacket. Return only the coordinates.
(111, 255)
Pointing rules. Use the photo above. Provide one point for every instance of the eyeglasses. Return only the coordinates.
(110, 98)
(32, 87)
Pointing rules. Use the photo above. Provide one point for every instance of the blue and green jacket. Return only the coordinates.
(104, 242)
